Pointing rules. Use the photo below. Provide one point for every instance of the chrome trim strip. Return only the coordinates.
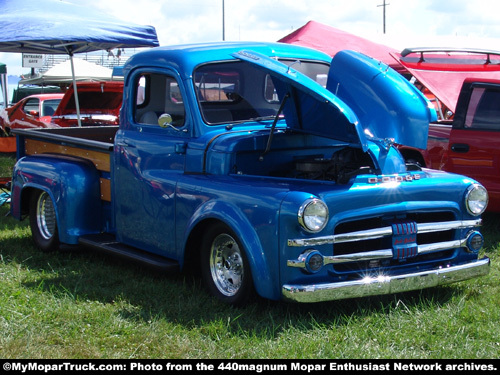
(371, 234)
(371, 286)
(341, 238)
(447, 225)
(367, 255)
(337, 259)
(381, 254)
(296, 263)
(438, 246)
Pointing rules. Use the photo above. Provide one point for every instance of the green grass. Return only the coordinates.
(6, 162)
(80, 304)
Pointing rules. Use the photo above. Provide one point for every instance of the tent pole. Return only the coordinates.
(5, 89)
(4, 85)
(77, 101)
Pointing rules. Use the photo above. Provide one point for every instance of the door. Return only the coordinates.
(149, 158)
(474, 148)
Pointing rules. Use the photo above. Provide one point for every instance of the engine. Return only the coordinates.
(341, 167)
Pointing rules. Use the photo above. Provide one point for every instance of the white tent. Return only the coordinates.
(61, 73)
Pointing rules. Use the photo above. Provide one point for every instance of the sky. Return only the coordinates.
(408, 23)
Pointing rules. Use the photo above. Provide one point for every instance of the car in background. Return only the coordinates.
(99, 104)
(34, 111)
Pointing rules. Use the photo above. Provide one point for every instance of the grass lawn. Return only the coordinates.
(80, 304)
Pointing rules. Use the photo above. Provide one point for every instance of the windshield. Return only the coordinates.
(229, 92)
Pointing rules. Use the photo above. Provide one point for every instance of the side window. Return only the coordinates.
(483, 111)
(159, 101)
(270, 91)
(32, 107)
(141, 91)
(49, 107)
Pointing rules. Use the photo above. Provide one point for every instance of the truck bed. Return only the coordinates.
(96, 137)
(90, 143)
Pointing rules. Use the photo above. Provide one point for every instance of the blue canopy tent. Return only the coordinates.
(59, 27)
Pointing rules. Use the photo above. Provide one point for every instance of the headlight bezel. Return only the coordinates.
(474, 205)
(309, 209)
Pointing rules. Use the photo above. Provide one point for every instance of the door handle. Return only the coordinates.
(180, 148)
(460, 147)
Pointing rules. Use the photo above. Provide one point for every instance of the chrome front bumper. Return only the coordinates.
(371, 286)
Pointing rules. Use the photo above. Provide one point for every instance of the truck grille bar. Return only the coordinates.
(381, 254)
(371, 234)
(398, 242)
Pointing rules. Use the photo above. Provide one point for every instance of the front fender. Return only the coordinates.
(74, 186)
(262, 253)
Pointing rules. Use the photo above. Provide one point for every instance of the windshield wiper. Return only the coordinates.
(276, 118)
(261, 118)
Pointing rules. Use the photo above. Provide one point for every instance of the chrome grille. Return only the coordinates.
(390, 241)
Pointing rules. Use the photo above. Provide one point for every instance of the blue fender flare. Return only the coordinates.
(72, 183)
(258, 257)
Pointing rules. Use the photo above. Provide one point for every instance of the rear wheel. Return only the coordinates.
(43, 221)
(225, 268)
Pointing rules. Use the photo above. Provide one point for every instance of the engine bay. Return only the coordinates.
(340, 168)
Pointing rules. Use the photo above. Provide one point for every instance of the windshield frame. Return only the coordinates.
(233, 92)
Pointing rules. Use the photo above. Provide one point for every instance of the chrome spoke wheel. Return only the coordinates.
(225, 268)
(43, 221)
(226, 265)
(46, 216)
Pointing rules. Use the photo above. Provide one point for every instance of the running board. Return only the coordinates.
(107, 243)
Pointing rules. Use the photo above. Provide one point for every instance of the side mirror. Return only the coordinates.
(165, 121)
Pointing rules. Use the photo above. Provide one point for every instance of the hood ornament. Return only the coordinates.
(385, 143)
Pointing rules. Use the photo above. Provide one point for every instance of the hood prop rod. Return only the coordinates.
(270, 139)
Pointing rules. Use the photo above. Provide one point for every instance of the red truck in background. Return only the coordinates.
(466, 138)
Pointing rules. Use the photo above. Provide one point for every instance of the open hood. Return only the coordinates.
(387, 105)
(364, 100)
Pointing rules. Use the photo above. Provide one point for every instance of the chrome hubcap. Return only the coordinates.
(226, 265)
(46, 216)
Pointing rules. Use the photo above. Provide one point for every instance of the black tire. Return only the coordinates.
(43, 222)
(224, 266)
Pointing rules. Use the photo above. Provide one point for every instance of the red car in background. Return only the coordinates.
(99, 103)
(34, 111)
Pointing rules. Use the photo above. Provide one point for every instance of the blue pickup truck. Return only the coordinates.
(268, 168)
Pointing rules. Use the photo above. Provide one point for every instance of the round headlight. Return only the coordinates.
(476, 199)
(313, 215)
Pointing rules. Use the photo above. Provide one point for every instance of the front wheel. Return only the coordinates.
(43, 222)
(225, 268)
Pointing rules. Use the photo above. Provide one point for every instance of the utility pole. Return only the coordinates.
(223, 23)
(383, 5)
